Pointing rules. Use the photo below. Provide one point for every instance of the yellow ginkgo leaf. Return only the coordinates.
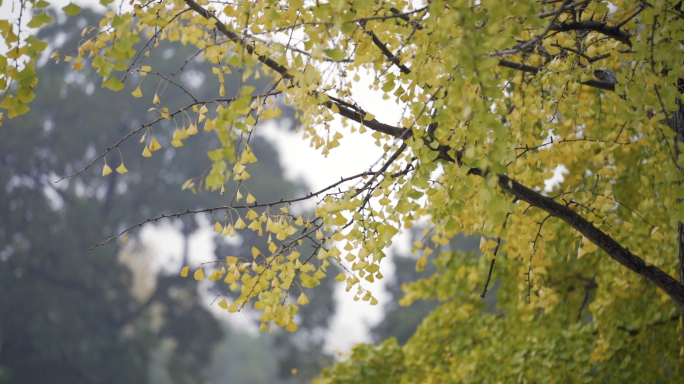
(146, 152)
(222, 90)
(215, 275)
(250, 198)
(239, 224)
(255, 252)
(218, 227)
(302, 299)
(291, 326)
(199, 274)
(208, 125)
(156, 99)
(223, 304)
(125, 240)
(137, 92)
(121, 169)
(192, 129)
(254, 225)
(232, 308)
(176, 143)
(106, 170)
(184, 271)
(154, 145)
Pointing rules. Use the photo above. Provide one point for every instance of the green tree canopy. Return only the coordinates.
(494, 96)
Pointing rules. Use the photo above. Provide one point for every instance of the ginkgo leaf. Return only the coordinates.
(302, 299)
(184, 271)
(239, 224)
(137, 92)
(192, 130)
(71, 9)
(223, 304)
(336, 54)
(250, 198)
(218, 227)
(156, 99)
(184, 133)
(227, 230)
(199, 274)
(291, 326)
(215, 275)
(254, 225)
(146, 152)
(39, 19)
(154, 145)
(232, 308)
(106, 170)
(255, 252)
(121, 169)
(113, 83)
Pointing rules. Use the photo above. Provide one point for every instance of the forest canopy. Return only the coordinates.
(494, 98)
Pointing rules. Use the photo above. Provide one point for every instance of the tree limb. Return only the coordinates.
(622, 255)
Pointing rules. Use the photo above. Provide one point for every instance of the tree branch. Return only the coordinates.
(225, 207)
(614, 250)
(274, 65)
(597, 26)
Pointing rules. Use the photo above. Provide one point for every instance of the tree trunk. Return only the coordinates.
(676, 122)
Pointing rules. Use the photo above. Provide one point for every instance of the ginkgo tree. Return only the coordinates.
(496, 96)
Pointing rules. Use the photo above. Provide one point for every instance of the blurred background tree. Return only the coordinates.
(69, 315)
